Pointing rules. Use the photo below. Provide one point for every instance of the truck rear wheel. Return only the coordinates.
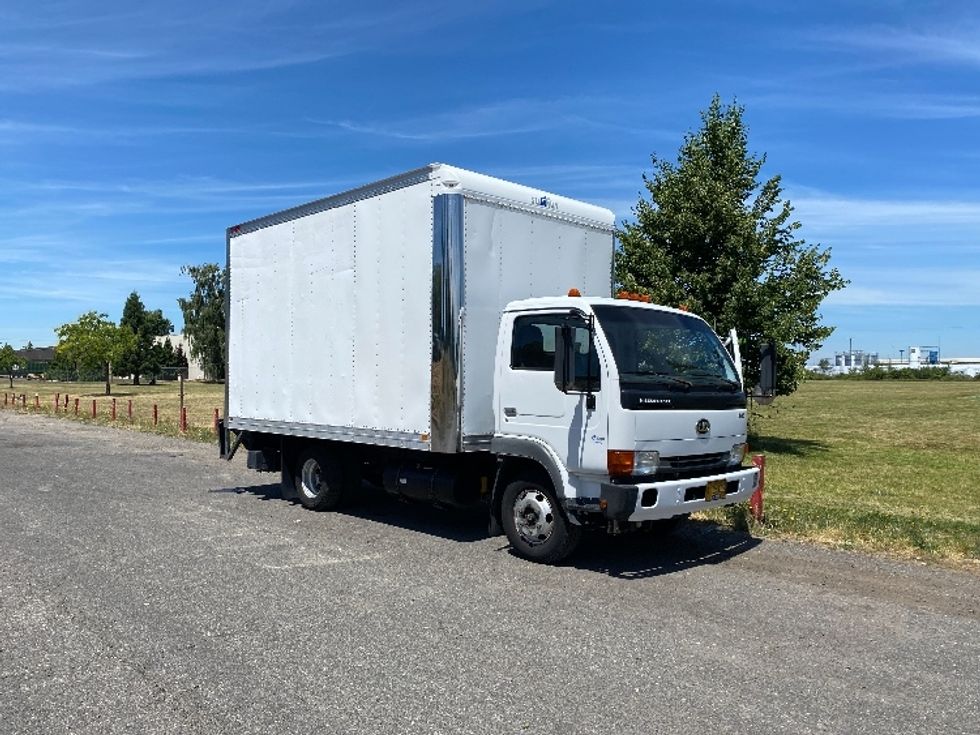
(535, 524)
(319, 479)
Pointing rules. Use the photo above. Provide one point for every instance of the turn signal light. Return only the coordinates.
(619, 462)
(574, 292)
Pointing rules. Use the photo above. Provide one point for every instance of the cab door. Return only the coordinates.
(529, 403)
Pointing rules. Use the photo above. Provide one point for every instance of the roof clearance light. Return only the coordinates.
(574, 292)
(630, 296)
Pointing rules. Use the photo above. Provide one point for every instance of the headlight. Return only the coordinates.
(645, 463)
(738, 453)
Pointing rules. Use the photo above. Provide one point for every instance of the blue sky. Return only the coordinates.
(133, 134)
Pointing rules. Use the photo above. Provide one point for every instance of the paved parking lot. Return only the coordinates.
(146, 586)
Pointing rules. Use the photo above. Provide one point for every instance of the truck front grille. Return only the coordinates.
(692, 465)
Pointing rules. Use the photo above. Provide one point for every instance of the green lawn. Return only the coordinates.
(888, 466)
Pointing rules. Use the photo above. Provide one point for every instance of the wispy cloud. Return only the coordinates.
(899, 105)
(507, 117)
(909, 287)
(183, 38)
(824, 210)
(948, 45)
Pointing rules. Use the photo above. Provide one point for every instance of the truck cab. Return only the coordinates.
(635, 412)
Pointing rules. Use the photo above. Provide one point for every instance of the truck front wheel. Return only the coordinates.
(535, 524)
(319, 479)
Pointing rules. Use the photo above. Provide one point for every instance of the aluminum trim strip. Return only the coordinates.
(447, 302)
(393, 183)
(383, 437)
(529, 209)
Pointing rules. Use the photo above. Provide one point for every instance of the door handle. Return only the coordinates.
(510, 411)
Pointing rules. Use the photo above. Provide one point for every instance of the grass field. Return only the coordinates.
(886, 466)
(200, 400)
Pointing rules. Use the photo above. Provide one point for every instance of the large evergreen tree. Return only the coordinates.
(204, 318)
(146, 326)
(716, 239)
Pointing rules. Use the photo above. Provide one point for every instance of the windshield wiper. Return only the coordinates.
(668, 378)
(735, 385)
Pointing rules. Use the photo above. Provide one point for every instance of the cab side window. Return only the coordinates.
(533, 346)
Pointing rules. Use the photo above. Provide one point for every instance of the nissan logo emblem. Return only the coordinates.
(703, 426)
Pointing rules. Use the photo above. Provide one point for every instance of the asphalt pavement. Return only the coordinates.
(148, 587)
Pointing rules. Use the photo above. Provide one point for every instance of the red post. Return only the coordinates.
(94, 409)
(214, 424)
(130, 409)
(155, 414)
(76, 407)
(756, 501)
(183, 418)
(113, 409)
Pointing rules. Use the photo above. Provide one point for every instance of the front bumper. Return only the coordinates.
(650, 501)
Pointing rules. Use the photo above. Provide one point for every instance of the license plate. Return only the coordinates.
(715, 490)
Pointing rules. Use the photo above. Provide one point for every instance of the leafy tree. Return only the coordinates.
(8, 358)
(204, 317)
(146, 326)
(824, 365)
(94, 342)
(716, 239)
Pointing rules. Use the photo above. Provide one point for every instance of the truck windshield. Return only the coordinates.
(662, 347)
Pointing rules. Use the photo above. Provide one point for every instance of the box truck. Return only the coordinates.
(452, 338)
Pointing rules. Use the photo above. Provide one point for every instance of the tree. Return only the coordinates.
(146, 326)
(824, 365)
(717, 240)
(8, 358)
(204, 317)
(94, 342)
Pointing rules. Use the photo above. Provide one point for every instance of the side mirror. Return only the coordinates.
(564, 358)
(767, 369)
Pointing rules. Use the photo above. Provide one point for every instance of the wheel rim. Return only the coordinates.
(310, 478)
(534, 516)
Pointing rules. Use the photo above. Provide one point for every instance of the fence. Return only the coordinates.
(110, 410)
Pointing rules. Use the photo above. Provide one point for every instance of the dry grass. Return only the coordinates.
(200, 400)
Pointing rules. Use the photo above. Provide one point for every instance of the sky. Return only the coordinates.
(133, 134)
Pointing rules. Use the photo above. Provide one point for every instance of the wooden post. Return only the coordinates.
(23, 400)
(756, 501)
(37, 400)
(95, 412)
(57, 401)
(130, 409)
(183, 419)
(113, 409)
(214, 424)
(155, 414)
(76, 407)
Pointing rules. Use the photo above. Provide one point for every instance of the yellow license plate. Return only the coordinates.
(715, 490)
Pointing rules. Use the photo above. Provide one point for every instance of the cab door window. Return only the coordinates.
(533, 346)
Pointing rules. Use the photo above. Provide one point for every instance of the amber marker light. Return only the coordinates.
(619, 462)
(574, 292)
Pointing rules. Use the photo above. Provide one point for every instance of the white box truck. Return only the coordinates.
(451, 337)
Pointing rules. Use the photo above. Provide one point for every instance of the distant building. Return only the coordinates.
(194, 370)
(33, 361)
(914, 357)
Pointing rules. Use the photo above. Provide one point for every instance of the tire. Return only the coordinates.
(319, 479)
(535, 523)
